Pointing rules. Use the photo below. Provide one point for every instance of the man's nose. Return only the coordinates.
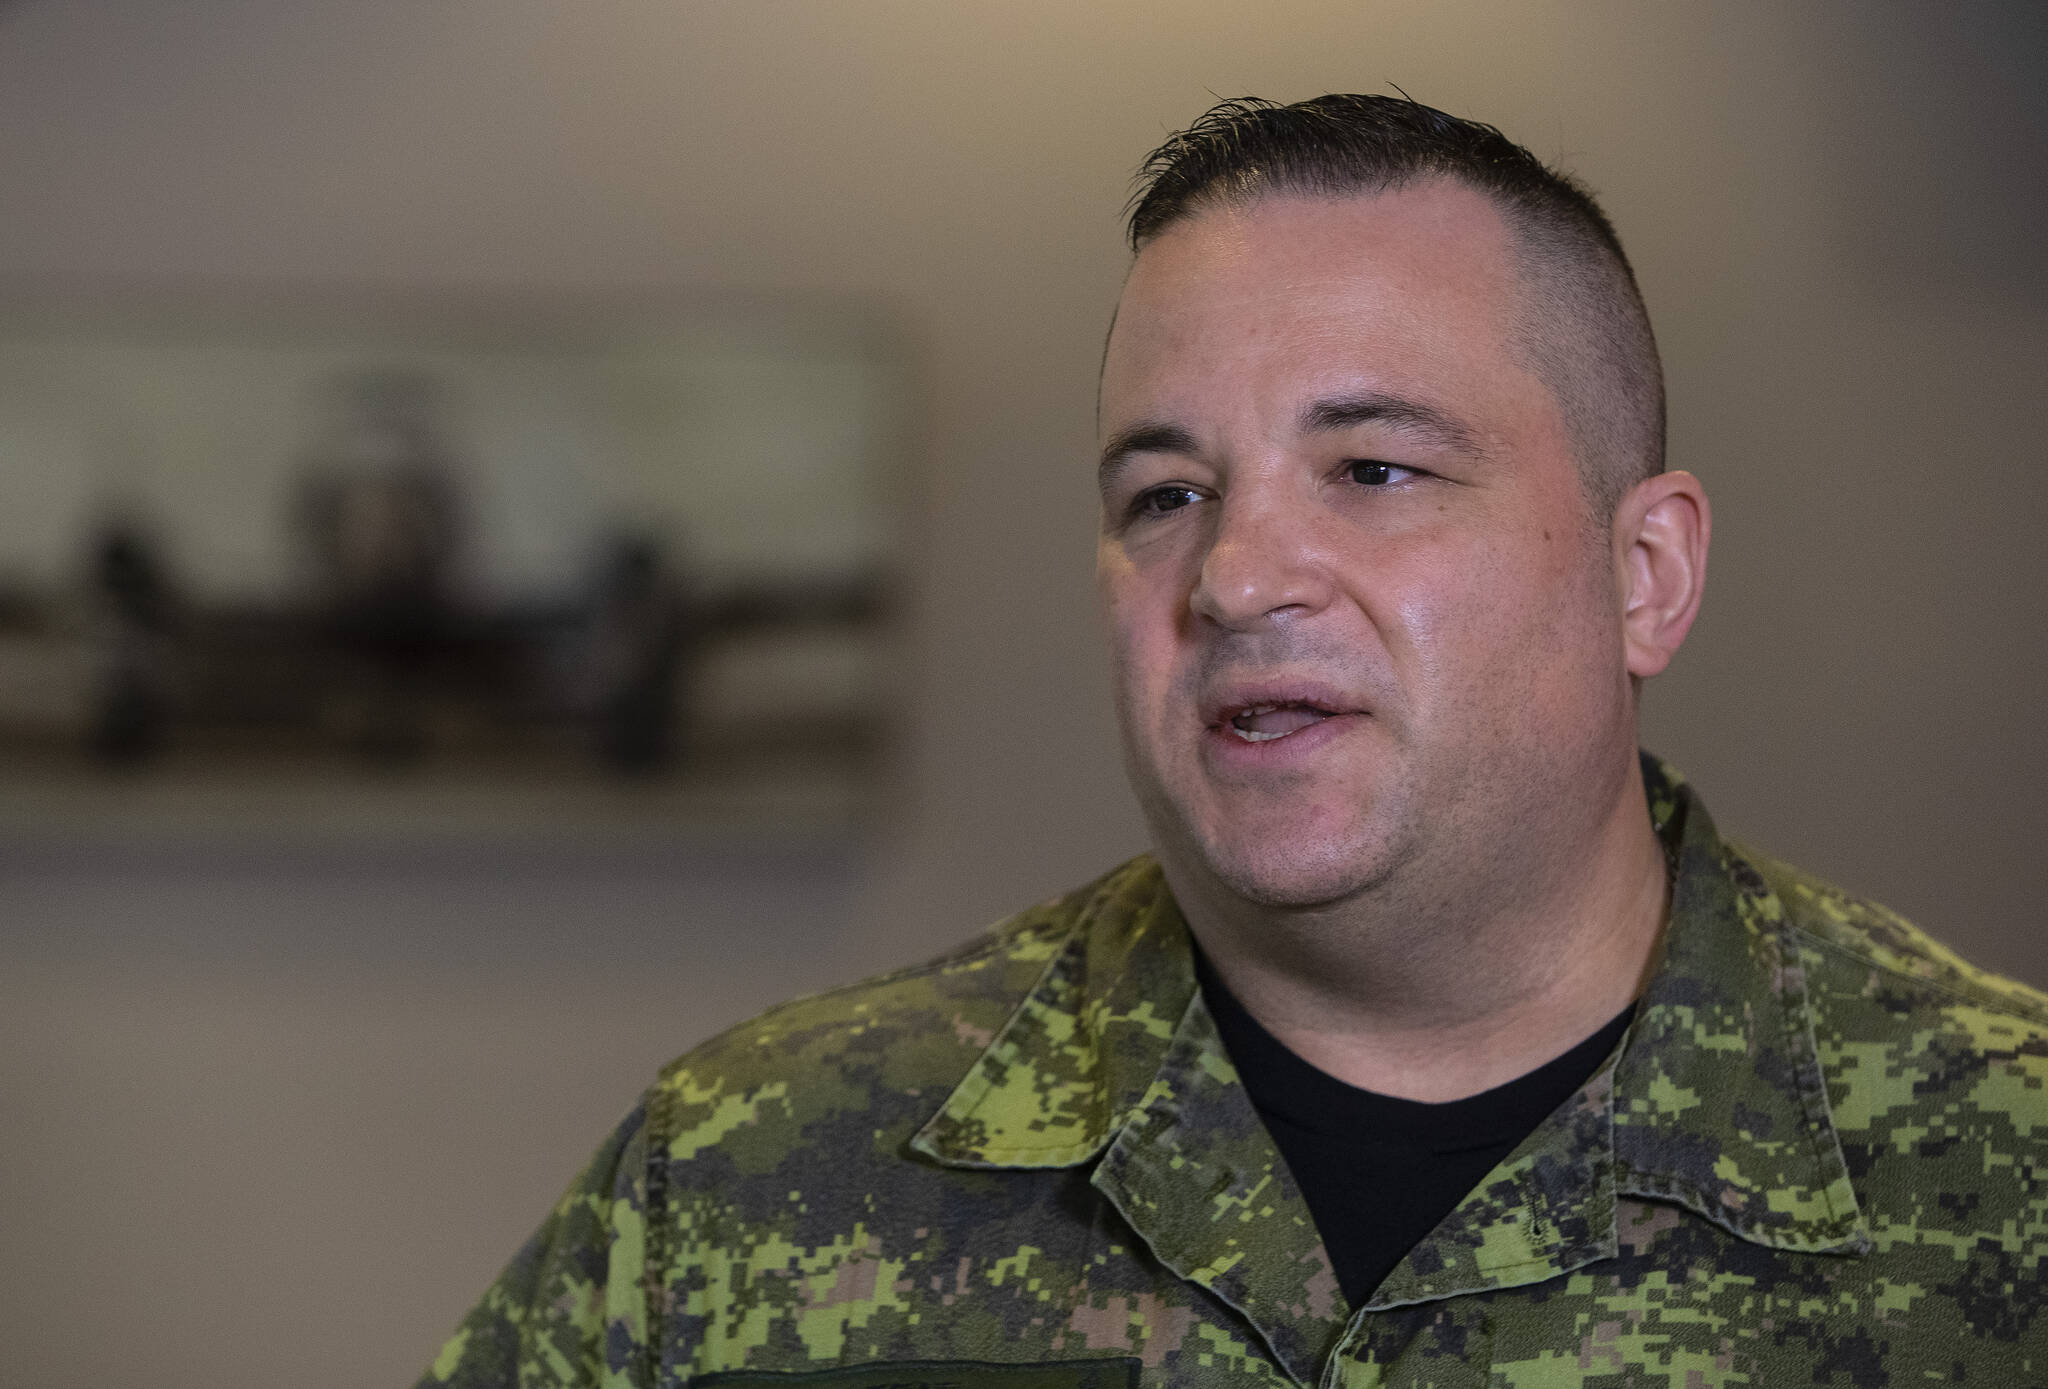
(1262, 563)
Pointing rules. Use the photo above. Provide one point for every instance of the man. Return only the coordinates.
(1442, 1041)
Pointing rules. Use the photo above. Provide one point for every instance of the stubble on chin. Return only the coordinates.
(1264, 855)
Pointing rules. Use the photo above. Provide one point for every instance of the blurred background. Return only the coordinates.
(333, 558)
(658, 433)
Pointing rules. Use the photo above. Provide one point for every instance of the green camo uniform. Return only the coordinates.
(1820, 1156)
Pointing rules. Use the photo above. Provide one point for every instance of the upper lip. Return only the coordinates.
(1231, 700)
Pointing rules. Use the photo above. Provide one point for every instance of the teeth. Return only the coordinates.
(1254, 723)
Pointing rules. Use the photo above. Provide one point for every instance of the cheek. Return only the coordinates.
(1433, 599)
(1481, 617)
(1140, 626)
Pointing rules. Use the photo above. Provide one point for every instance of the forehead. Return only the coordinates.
(1396, 289)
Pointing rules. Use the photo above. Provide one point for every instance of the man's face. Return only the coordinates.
(1360, 626)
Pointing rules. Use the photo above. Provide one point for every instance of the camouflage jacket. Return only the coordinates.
(1820, 1156)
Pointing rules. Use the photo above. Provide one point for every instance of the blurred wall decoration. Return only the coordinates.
(478, 562)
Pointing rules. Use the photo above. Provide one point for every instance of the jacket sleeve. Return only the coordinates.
(570, 1309)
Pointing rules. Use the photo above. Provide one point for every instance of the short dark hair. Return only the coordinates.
(1589, 337)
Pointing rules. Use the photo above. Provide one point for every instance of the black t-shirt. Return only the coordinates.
(1378, 1172)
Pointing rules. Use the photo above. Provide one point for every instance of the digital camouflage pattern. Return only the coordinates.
(1820, 1156)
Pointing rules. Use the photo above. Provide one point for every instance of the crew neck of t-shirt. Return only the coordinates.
(1284, 1086)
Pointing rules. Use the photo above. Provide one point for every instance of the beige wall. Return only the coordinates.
(276, 1118)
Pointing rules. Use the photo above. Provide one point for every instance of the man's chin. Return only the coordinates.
(1297, 876)
(1313, 849)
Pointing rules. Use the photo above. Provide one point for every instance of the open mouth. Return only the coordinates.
(1262, 723)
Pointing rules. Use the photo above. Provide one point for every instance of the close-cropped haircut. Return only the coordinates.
(1582, 328)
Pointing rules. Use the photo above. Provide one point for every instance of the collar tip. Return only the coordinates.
(1847, 1232)
(1853, 1237)
(936, 1141)
(950, 1150)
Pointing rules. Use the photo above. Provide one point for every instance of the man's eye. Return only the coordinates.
(1160, 500)
(1367, 473)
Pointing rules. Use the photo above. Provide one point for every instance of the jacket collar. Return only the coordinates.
(1113, 1054)
(1715, 1100)
(1721, 1104)
(1071, 1067)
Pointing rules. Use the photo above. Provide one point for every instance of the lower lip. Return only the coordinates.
(1304, 743)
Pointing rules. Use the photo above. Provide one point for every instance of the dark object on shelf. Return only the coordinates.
(131, 713)
(644, 635)
(380, 519)
(610, 670)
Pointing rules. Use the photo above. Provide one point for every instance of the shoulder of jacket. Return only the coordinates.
(956, 1002)
(1873, 935)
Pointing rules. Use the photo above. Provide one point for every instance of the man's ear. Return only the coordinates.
(1661, 530)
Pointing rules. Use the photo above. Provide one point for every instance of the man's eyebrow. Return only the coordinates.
(1408, 416)
(1149, 436)
(1318, 417)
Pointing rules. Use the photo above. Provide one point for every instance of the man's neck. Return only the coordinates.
(1439, 1005)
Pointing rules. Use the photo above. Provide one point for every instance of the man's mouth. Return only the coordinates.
(1262, 723)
